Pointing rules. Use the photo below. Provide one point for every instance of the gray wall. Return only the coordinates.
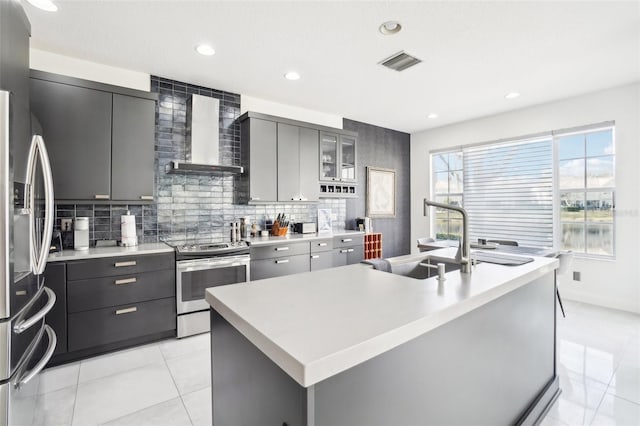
(389, 149)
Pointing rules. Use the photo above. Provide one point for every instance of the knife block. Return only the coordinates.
(278, 231)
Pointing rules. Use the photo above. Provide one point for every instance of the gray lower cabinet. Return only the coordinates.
(132, 150)
(116, 323)
(348, 249)
(279, 266)
(115, 302)
(55, 279)
(76, 123)
(278, 250)
(260, 179)
(350, 255)
(321, 260)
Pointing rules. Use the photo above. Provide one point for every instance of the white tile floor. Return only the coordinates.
(167, 383)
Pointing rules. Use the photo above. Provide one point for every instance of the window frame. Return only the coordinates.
(557, 216)
(557, 226)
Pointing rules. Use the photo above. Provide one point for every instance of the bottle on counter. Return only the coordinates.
(238, 237)
(232, 236)
(243, 228)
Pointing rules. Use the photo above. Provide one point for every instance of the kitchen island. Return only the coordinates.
(358, 346)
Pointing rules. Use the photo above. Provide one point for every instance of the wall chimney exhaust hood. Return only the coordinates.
(202, 140)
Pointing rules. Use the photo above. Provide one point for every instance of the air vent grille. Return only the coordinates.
(400, 61)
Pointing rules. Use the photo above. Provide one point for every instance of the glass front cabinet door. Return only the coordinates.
(328, 156)
(347, 158)
(337, 157)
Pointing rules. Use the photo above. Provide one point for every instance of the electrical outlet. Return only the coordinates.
(576, 275)
(66, 224)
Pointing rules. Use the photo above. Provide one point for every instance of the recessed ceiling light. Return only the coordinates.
(205, 49)
(432, 115)
(390, 27)
(292, 75)
(512, 95)
(47, 5)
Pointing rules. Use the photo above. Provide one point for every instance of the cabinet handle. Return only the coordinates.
(282, 261)
(302, 198)
(344, 251)
(322, 244)
(101, 197)
(126, 310)
(127, 263)
(21, 293)
(146, 197)
(125, 281)
(282, 248)
(315, 256)
(347, 240)
(350, 251)
(255, 198)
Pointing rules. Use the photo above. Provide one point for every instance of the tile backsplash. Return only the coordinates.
(191, 207)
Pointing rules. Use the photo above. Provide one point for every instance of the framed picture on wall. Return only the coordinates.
(381, 192)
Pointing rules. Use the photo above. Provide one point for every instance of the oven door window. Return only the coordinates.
(194, 283)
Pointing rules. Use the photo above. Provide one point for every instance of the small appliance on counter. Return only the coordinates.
(304, 228)
(128, 235)
(364, 224)
(81, 234)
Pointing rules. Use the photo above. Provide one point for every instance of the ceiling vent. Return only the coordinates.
(400, 61)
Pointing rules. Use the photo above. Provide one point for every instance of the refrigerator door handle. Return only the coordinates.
(38, 151)
(6, 190)
(26, 377)
(25, 324)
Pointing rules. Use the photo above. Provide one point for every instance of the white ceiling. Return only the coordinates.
(473, 52)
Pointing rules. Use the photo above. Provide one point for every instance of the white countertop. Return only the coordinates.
(290, 237)
(96, 252)
(317, 324)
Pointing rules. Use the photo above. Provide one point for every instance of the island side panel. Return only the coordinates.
(247, 388)
(485, 368)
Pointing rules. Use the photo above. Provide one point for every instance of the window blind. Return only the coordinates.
(508, 192)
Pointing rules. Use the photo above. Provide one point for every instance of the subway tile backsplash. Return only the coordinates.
(191, 207)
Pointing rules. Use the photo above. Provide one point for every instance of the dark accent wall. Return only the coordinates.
(389, 149)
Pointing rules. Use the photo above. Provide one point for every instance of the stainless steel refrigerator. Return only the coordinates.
(26, 223)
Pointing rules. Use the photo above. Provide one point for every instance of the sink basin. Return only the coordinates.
(413, 269)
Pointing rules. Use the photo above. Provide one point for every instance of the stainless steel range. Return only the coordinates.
(203, 265)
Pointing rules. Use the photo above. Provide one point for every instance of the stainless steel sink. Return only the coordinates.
(414, 269)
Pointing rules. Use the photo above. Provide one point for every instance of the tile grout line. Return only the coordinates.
(176, 386)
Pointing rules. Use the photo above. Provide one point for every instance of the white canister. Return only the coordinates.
(128, 235)
(81, 233)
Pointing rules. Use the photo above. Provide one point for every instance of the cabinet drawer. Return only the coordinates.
(321, 260)
(278, 250)
(321, 245)
(102, 326)
(121, 265)
(348, 240)
(84, 295)
(269, 268)
(347, 255)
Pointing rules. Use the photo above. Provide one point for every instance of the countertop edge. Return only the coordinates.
(103, 252)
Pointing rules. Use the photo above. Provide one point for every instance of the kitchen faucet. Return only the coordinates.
(464, 248)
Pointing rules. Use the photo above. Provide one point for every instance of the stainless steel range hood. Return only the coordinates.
(202, 140)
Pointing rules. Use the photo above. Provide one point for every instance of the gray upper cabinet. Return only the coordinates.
(100, 137)
(309, 189)
(259, 150)
(288, 163)
(133, 136)
(76, 123)
(297, 163)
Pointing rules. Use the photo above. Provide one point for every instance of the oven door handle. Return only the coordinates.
(196, 266)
